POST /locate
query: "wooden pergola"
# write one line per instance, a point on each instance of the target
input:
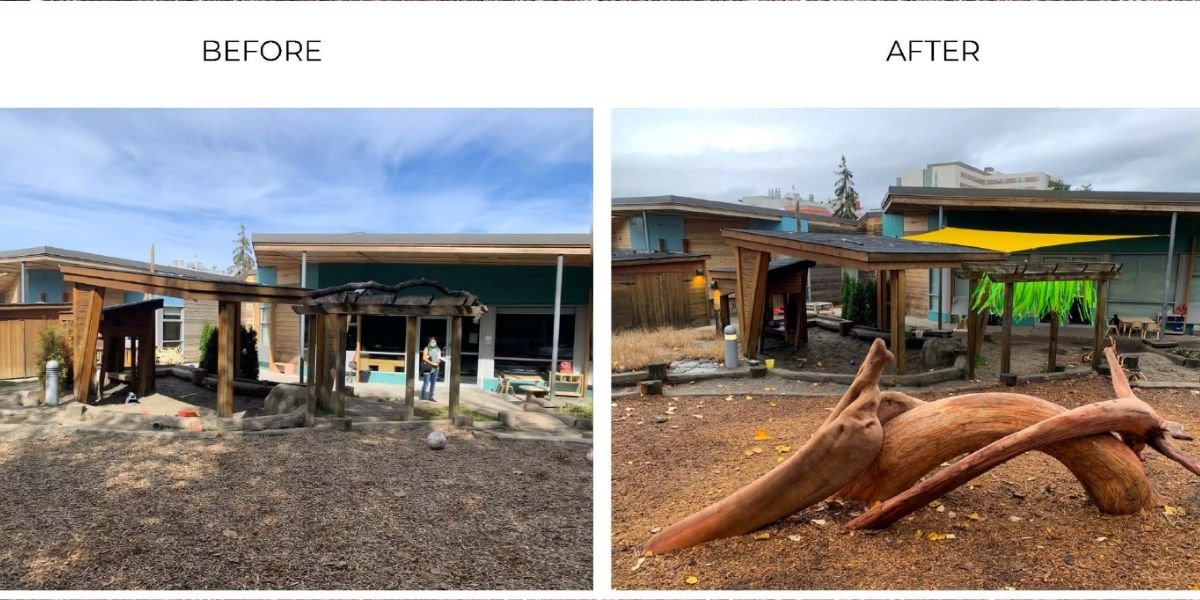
(327, 312)
(90, 285)
(133, 322)
(1010, 274)
(888, 257)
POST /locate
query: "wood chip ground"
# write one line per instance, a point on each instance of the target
(1024, 525)
(313, 510)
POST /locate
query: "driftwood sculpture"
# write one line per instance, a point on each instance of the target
(875, 446)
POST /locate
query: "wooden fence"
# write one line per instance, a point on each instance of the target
(20, 328)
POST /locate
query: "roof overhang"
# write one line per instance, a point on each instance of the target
(175, 286)
(900, 199)
(359, 249)
(684, 209)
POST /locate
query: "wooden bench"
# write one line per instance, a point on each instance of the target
(531, 391)
(819, 307)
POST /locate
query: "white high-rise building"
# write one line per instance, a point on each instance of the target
(962, 175)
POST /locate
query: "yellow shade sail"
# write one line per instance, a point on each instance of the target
(1010, 241)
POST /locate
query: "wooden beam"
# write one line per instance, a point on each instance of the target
(752, 269)
(145, 365)
(881, 282)
(357, 347)
(227, 356)
(88, 302)
(899, 343)
(456, 365)
(802, 315)
(1052, 358)
(587, 346)
(725, 317)
(1100, 324)
(412, 356)
(1006, 331)
(972, 326)
(339, 384)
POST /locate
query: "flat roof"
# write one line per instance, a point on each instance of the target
(858, 250)
(10, 261)
(775, 265)
(433, 248)
(181, 286)
(900, 197)
(697, 205)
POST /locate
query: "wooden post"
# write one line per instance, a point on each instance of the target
(1100, 326)
(358, 348)
(227, 355)
(752, 272)
(412, 356)
(88, 304)
(802, 314)
(898, 315)
(1006, 332)
(587, 347)
(145, 363)
(1052, 359)
(724, 319)
(972, 326)
(312, 328)
(339, 384)
(456, 367)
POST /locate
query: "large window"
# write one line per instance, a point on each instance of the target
(524, 342)
(383, 335)
(171, 335)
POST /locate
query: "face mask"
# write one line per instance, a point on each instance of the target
(433, 344)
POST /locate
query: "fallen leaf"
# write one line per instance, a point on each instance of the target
(974, 516)
(698, 416)
(941, 508)
(934, 504)
(692, 580)
(934, 536)
(819, 522)
(773, 404)
(795, 538)
(761, 435)
(229, 533)
(762, 536)
(638, 564)
(1101, 539)
(655, 529)
(781, 448)
(1014, 519)
(749, 397)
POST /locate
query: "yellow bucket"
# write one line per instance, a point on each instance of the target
(770, 363)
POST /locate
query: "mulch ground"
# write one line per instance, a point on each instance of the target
(312, 510)
(1035, 528)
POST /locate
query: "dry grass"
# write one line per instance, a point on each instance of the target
(632, 350)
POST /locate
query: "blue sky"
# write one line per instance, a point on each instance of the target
(115, 181)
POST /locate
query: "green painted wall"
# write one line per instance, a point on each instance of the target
(493, 284)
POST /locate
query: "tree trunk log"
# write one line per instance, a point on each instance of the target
(841, 448)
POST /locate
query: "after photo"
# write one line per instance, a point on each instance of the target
(905, 349)
(296, 349)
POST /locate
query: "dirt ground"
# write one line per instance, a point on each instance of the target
(1035, 527)
(311, 510)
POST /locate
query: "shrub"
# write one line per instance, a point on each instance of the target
(247, 367)
(858, 300)
(54, 343)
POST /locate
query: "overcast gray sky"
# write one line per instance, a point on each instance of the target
(727, 154)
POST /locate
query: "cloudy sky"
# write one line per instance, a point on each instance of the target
(113, 182)
(724, 155)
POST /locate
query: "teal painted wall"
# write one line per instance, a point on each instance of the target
(662, 227)
(493, 284)
(893, 225)
(267, 275)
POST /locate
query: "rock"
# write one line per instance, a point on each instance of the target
(891, 543)
(1069, 559)
(285, 398)
(661, 419)
(342, 424)
(436, 440)
(76, 411)
(941, 352)
(966, 566)
(30, 398)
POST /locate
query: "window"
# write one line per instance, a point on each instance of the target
(384, 335)
(171, 334)
(524, 341)
(264, 330)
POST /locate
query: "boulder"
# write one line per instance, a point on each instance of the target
(940, 352)
(29, 398)
(285, 398)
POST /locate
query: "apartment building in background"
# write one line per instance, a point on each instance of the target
(961, 175)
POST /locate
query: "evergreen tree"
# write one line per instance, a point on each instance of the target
(846, 201)
(243, 253)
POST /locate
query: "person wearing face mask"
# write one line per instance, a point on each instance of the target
(431, 360)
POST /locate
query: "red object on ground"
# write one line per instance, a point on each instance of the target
(187, 412)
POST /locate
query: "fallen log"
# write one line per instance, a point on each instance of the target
(841, 448)
(1127, 414)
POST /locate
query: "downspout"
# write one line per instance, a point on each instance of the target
(303, 340)
(23, 297)
(645, 232)
(1162, 324)
(557, 310)
(941, 272)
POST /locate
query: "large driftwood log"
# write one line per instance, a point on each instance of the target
(841, 448)
(918, 440)
(1127, 414)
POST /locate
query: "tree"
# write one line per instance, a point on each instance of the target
(243, 253)
(847, 199)
(1059, 185)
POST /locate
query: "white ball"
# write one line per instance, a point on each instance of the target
(436, 440)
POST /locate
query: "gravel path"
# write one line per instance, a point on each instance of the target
(311, 510)
(663, 472)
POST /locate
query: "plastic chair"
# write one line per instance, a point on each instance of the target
(1151, 327)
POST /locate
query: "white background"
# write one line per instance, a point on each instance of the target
(601, 56)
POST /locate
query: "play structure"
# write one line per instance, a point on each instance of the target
(875, 446)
